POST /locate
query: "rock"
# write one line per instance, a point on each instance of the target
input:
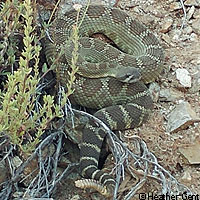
(196, 14)
(196, 81)
(181, 117)
(169, 94)
(196, 26)
(190, 13)
(186, 177)
(176, 35)
(184, 37)
(193, 37)
(191, 151)
(184, 78)
(175, 6)
(154, 90)
(188, 30)
(167, 39)
(165, 27)
(66, 5)
(192, 3)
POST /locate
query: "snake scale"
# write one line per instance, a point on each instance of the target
(111, 78)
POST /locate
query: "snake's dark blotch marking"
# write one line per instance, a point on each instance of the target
(105, 80)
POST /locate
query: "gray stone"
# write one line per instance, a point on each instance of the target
(196, 26)
(196, 81)
(184, 77)
(188, 29)
(166, 25)
(167, 39)
(191, 152)
(176, 35)
(154, 90)
(169, 94)
(193, 37)
(196, 14)
(175, 6)
(181, 117)
(192, 3)
(190, 13)
(186, 176)
(66, 5)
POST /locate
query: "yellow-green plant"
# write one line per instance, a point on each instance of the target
(17, 114)
(75, 38)
(10, 12)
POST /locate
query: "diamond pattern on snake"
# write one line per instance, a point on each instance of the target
(110, 78)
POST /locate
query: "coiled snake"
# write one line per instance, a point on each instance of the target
(110, 79)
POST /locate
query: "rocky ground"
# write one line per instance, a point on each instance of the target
(173, 131)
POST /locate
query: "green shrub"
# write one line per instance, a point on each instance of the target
(18, 118)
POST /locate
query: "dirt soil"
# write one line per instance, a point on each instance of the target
(182, 48)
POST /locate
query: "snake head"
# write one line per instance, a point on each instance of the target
(128, 75)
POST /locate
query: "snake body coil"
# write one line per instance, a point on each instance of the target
(108, 77)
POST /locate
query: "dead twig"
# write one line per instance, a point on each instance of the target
(185, 14)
